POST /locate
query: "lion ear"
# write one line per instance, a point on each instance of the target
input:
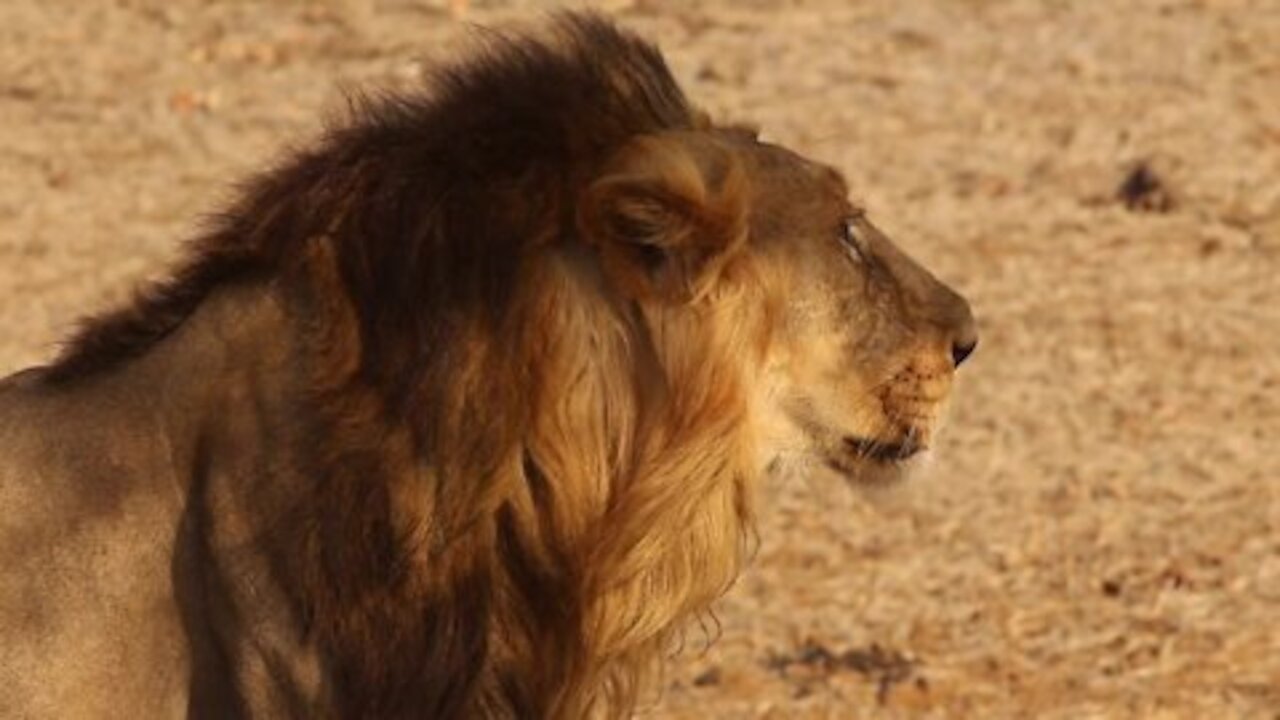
(665, 216)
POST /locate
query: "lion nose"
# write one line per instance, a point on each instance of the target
(964, 332)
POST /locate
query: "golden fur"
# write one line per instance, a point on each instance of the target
(540, 333)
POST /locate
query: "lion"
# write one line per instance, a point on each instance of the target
(459, 412)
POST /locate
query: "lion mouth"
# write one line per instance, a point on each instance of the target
(855, 455)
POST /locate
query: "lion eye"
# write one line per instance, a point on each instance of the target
(851, 237)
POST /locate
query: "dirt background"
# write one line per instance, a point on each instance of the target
(1099, 534)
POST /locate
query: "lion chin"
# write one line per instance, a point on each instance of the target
(861, 465)
(878, 472)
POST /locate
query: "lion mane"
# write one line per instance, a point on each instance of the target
(517, 492)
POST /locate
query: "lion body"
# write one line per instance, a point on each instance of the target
(105, 611)
(458, 414)
(86, 578)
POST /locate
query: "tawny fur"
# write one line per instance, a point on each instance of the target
(519, 350)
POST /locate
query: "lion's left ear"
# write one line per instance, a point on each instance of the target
(666, 215)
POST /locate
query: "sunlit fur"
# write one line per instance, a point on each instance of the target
(543, 323)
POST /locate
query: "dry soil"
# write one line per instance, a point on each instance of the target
(1099, 532)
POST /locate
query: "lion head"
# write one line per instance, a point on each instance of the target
(847, 346)
(549, 325)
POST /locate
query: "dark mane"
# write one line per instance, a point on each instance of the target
(406, 191)
(410, 247)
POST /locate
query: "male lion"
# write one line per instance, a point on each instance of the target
(458, 413)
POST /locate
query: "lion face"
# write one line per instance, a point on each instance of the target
(858, 342)
(863, 355)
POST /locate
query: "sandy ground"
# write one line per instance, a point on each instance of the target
(1099, 534)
